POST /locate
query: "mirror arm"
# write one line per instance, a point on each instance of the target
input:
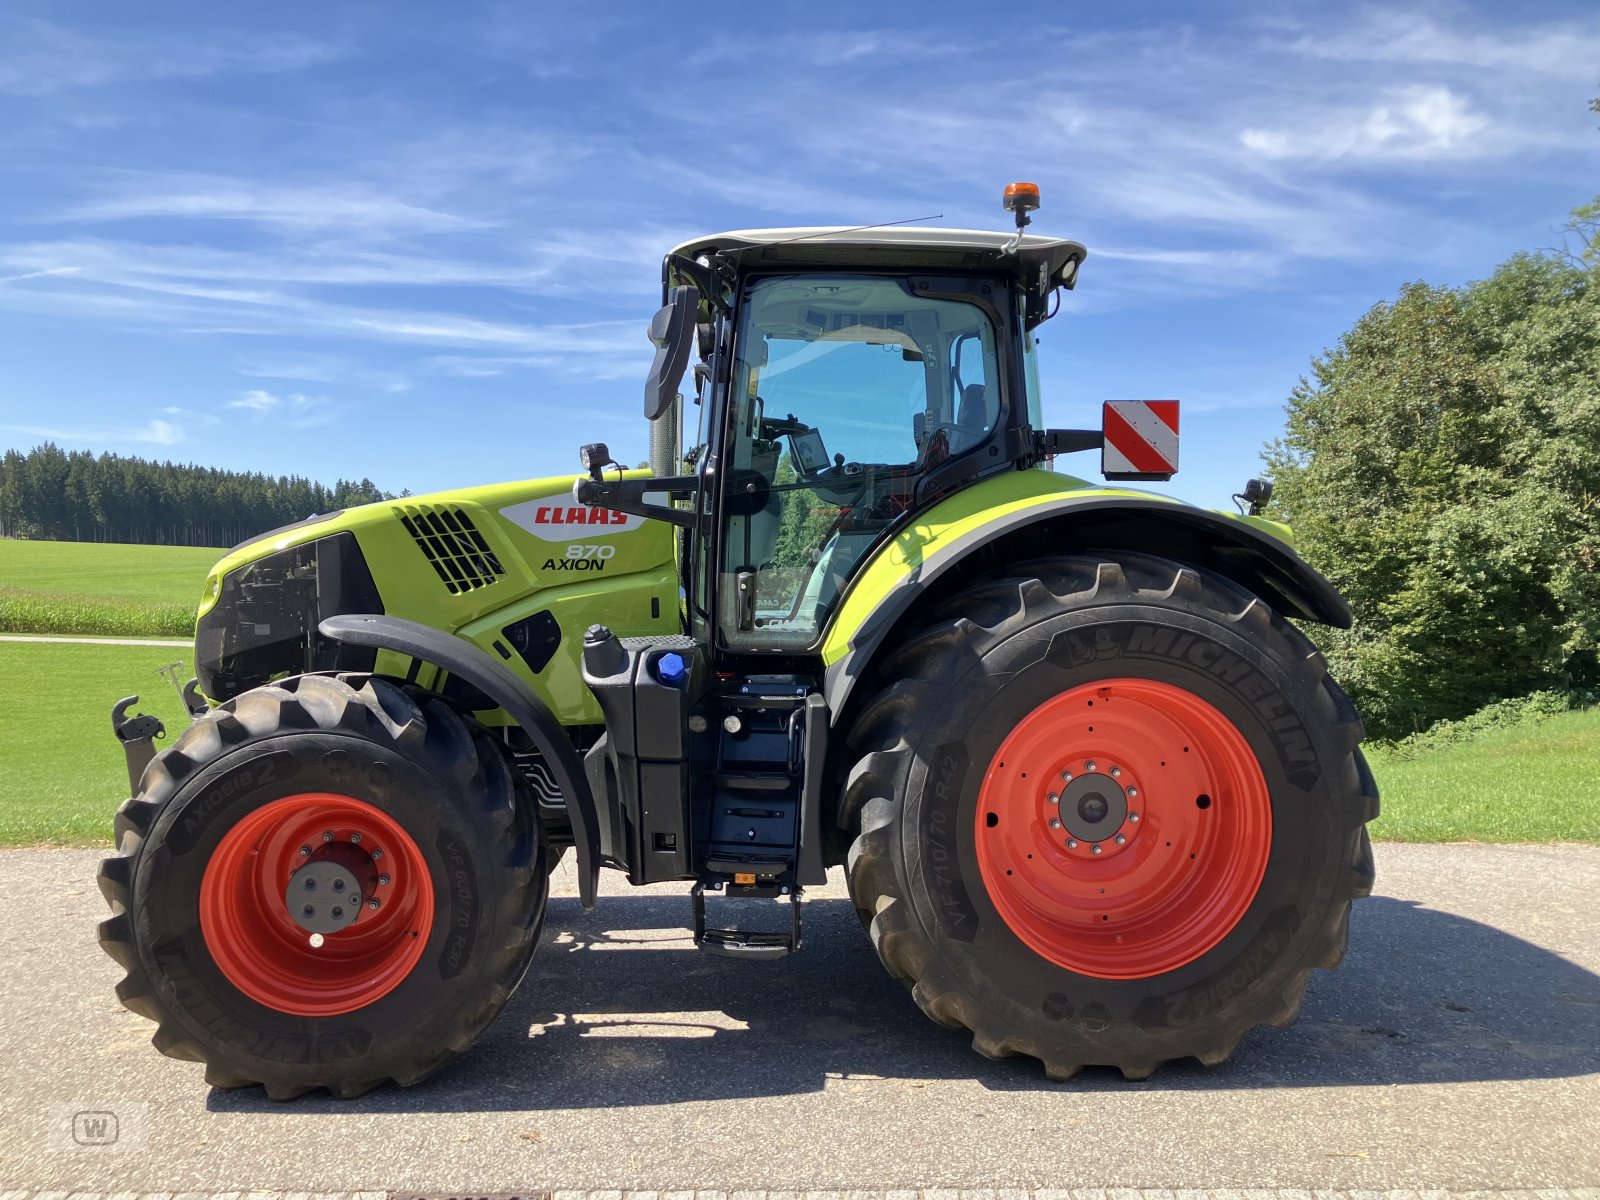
(1065, 441)
(642, 497)
(702, 278)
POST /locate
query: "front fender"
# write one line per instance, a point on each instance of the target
(472, 665)
(1032, 517)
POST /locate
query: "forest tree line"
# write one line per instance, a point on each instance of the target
(75, 496)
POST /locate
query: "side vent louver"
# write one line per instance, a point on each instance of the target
(453, 545)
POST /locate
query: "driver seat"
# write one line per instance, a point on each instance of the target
(972, 419)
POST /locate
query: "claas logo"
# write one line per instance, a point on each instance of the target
(559, 519)
(577, 514)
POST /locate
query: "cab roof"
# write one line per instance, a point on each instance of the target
(910, 247)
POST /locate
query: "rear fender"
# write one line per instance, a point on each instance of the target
(932, 559)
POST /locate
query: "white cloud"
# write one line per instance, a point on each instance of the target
(257, 401)
(42, 58)
(327, 369)
(1547, 50)
(310, 207)
(156, 432)
(1416, 124)
(44, 273)
(294, 409)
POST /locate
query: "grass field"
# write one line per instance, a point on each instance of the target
(100, 588)
(62, 774)
(1532, 782)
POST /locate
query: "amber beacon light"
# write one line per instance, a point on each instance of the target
(1021, 199)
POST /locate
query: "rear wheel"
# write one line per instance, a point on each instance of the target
(1133, 838)
(322, 884)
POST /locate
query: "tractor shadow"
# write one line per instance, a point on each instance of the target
(620, 1011)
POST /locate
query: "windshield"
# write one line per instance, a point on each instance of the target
(848, 389)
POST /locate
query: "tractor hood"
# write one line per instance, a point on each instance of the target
(453, 560)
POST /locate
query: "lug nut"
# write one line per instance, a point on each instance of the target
(1116, 772)
(373, 903)
(356, 837)
(1054, 824)
(1133, 791)
(1133, 818)
(327, 835)
(1089, 766)
(1055, 798)
(1121, 841)
(1066, 777)
(1072, 843)
(305, 851)
(1095, 849)
(376, 854)
(382, 879)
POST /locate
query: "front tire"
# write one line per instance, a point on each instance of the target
(411, 810)
(1110, 811)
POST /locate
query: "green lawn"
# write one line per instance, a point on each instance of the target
(104, 588)
(1532, 782)
(61, 772)
(107, 570)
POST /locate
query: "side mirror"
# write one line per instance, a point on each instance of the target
(672, 330)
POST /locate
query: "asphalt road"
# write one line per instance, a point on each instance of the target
(1457, 1048)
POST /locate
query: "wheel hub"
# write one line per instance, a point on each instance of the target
(329, 892)
(1094, 808)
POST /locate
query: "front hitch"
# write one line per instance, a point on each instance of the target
(138, 735)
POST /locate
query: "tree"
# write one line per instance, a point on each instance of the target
(1442, 466)
(48, 493)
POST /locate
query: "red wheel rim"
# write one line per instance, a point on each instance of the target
(245, 918)
(1178, 822)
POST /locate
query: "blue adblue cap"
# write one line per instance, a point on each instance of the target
(670, 668)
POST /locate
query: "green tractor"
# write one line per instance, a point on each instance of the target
(1096, 798)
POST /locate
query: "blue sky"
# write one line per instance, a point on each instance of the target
(421, 243)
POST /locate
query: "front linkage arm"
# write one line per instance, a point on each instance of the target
(138, 735)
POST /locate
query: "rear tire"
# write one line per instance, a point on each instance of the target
(200, 924)
(984, 890)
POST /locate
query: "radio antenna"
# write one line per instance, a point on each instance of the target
(805, 237)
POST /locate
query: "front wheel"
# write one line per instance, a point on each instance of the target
(324, 885)
(1111, 811)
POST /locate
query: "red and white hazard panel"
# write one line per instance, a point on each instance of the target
(1141, 439)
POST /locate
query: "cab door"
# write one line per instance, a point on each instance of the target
(845, 392)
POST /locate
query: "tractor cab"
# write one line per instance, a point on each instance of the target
(844, 379)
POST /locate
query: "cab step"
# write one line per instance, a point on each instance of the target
(745, 943)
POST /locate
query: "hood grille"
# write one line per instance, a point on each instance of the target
(453, 546)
